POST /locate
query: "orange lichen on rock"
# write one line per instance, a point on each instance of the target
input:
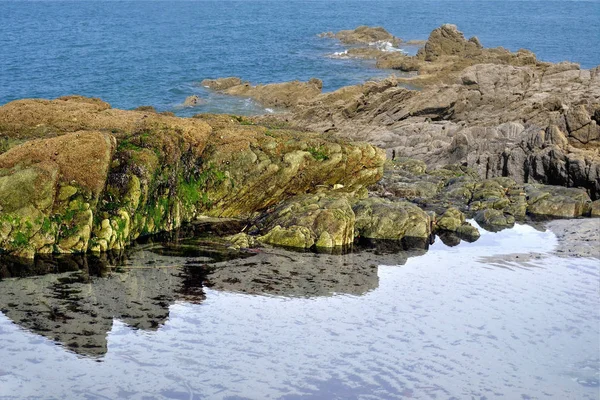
(81, 157)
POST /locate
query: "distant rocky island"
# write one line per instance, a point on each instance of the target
(465, 132)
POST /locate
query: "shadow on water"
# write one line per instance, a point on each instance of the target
(73, 299)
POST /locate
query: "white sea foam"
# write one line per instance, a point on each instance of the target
(269, 110)
(339, 54)
(380, 45)
(385, 46)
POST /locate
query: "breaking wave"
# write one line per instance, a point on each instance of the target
(385, 46)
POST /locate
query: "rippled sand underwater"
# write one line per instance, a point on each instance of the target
(499, 318)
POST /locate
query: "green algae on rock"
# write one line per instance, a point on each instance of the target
(322, 220)
(48, 189)
(557, 202)
(378, 218)
(454, 221)
(495, 203)
(105, 177)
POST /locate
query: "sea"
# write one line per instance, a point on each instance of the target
(504, 317)
(134, 53)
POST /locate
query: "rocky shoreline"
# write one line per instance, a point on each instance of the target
(491, 135)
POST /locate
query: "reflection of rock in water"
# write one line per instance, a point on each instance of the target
(77, 311)
(74, 299)
(285, 273)
(277, 272)
(15, 267)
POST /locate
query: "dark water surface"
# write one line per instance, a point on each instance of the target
(133, 53)
(499, 318)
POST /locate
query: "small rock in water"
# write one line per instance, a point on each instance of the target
(192, 101)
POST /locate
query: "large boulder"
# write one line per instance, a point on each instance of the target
(494, 220)
(378, 218)
(324, 220)
(453, 220)
(555, 201)
(447, 40)
(328, 220)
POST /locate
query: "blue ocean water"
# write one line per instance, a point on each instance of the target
(133, 53)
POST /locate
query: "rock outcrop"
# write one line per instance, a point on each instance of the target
(442, 56)
(447, 40)
(364, 35)
(222, 83)
(452, 193)
(104, 177)
(283, 95)
(49, 190)
(536, 123)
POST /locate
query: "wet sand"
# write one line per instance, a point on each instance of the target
(577, 237)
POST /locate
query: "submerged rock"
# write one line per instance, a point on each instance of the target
(192, 101)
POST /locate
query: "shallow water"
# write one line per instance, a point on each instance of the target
(499, 318)
(133, 53)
